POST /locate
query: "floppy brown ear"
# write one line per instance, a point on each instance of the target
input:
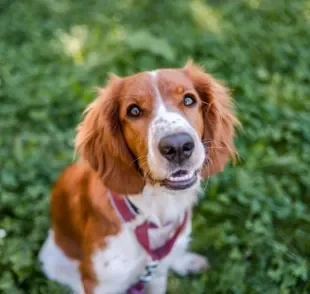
(100, 141)
(219, 119)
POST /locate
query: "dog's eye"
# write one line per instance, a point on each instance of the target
(189, 100)
(134, 110)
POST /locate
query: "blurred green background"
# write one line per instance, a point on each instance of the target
(254, 221)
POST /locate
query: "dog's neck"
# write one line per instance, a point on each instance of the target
(161, 205)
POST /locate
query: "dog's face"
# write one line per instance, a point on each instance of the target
(162, 122)
(162, 127)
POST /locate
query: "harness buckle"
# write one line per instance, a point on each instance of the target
(149, 271)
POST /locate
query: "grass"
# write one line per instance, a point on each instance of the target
(253, 222)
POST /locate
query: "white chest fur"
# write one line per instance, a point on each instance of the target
(124, 259)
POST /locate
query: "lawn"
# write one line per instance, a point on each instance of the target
(254, 220)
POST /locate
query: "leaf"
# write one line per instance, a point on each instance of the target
(145, 41)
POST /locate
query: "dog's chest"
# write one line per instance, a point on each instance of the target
(123, 259)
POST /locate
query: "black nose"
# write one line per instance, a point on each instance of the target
(176, 148)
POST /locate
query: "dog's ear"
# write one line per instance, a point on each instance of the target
(219, 119)
(100, 141)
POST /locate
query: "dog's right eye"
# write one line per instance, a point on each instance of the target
(134, 110)
(189, 100)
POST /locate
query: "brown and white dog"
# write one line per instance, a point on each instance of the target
(148, 138)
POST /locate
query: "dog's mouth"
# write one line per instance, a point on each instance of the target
(180, 180)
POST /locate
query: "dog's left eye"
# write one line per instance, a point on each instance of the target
(189, 100)
(134, 111)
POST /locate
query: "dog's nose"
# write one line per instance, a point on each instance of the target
(176, 148)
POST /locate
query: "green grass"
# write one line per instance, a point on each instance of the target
(254, 221)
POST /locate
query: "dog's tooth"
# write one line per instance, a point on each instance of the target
(187, 176)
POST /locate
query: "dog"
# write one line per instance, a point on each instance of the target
(121, 216)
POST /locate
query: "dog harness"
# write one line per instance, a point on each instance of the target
(127, 212)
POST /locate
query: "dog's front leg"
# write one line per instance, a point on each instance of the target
(185, 262)
(189, 263)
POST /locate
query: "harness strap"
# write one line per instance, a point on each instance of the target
(161, 252)
(127, 212)
(123, 207)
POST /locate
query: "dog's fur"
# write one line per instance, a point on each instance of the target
(89, 248)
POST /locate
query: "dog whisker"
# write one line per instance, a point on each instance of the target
(137, 159)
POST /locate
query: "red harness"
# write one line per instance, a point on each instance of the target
(127, 212)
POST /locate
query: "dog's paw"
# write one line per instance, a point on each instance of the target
(190, 263)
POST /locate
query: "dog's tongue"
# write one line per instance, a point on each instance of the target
(179, 173)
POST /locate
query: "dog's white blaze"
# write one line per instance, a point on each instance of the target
(160, 105)
(164, 123)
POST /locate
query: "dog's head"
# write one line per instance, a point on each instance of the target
(164, 127)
